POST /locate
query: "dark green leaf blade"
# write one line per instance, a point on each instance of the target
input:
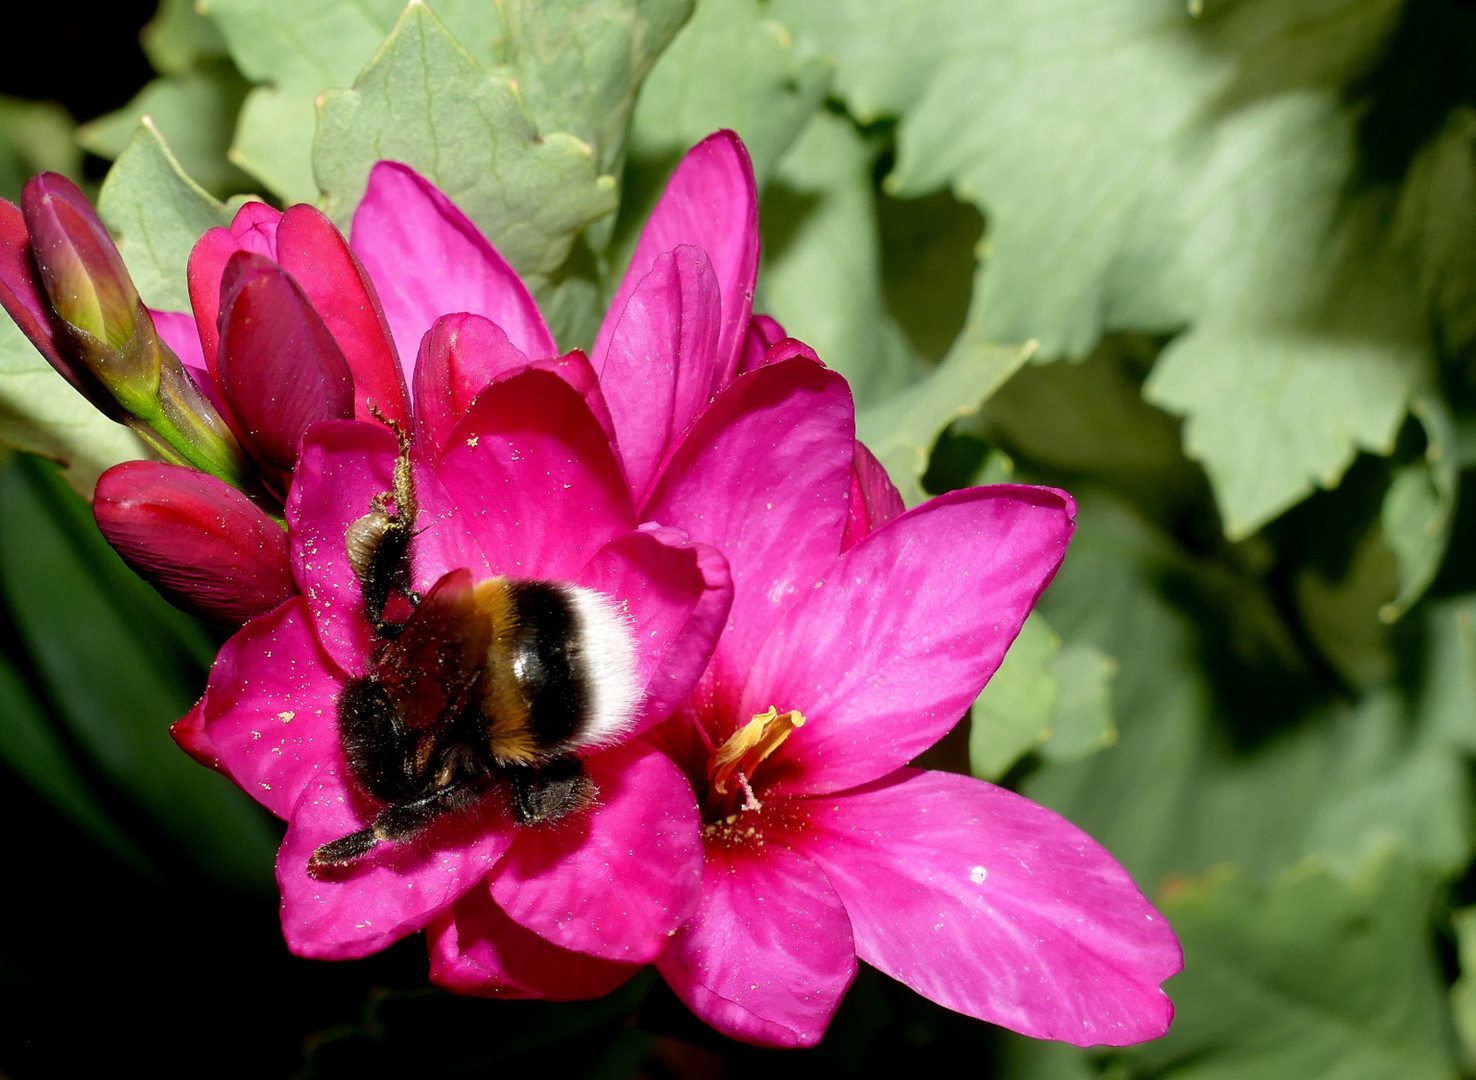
(121, 665)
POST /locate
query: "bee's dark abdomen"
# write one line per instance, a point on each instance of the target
(374, 741)
(553, 680)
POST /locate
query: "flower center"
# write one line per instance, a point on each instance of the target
(730, 771)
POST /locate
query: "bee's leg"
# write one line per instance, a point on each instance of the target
(552, 791)
(396, 823)
(342, 851)
(379, 542)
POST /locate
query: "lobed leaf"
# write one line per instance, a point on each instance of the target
(178, 35)
(35, 136)
(579, 65)
(1227, 752)
(156, 213)
(195, 111)
(821, 275)
(425, 101)
(1149, 167)
(297, 51)
(902, 430)
(1315, 977)
(731, 66)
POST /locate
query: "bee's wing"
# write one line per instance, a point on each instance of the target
(433, 667)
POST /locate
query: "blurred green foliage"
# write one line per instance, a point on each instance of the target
(1211, 266)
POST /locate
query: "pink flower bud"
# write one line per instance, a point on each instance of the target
(198, 540)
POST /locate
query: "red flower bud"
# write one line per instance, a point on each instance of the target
(203, 544)
(280, 369)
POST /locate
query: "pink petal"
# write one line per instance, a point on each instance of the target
(535, 478)
(476, 949)
(205, 545)
(660, 370)
(995, 907)
(574, 368)
(886, 655)
(388, 893)
(178, 331)
(768, 955)
(280, 369)
(22, 298)
(254, 229)
(429, 260)
(462, 355)
(316, 255)
(617, 881)
(710, 203)
(677, 595)
(875, 500)
(343, 467)
(269, 717)
(763, 478)
(762, 332)
(459, 357)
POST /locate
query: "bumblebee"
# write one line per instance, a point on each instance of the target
(483, 686)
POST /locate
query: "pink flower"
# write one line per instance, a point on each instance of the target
(839, 665)
(528, 486)
(874, 634)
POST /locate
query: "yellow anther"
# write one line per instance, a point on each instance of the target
(750, 745)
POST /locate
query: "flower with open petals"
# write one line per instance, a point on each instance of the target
(855, 642)
(857, 636)
(527, 485)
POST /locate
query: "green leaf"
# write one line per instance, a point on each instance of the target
(901, 431)
(35, 136)
(731, 66)
(1315, 977)
(32, 749)
(1226, 750)
(1147, 170)
(121, 666)
(300, 49)
(822, 249)
(157, 213)
(178, 35)
(425, 101)
(42, 414)
(1435, 220)
(1045, 696)
(1419, 509)
(1448, 698)
(1012, 716)
(1463, 993)
(1081, 721)
(1342, 617)
(195, 112)
(579, 64)
(1070, 420)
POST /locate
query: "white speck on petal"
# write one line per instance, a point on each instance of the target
(978, 874)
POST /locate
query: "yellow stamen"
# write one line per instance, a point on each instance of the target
(750, 745)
